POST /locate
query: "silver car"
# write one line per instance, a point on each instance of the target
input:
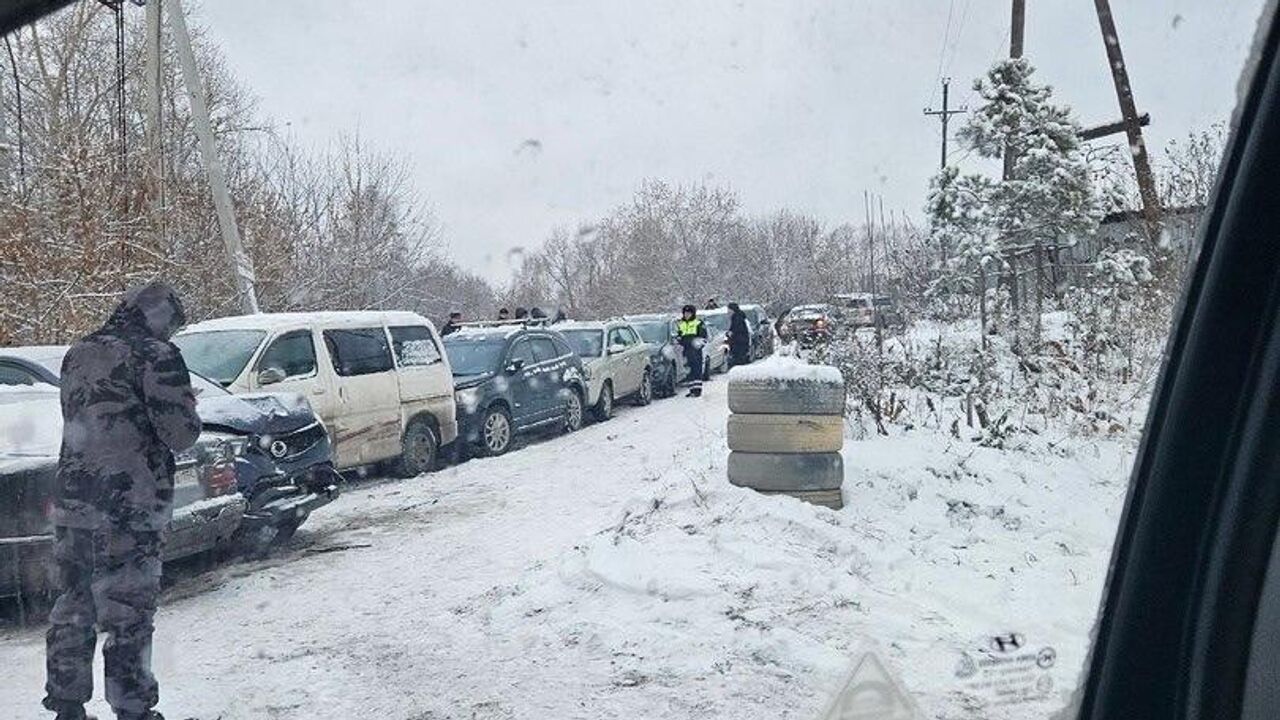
(616, 362)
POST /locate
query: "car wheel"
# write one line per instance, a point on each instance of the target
(644, 395)
(573, 411)
(495, 431)
(418, 450)
(673, 376)
(604, 406)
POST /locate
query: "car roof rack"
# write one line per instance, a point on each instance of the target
(521, 322)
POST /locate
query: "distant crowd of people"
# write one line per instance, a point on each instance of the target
(690, 331)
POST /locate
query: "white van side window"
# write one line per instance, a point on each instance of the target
(294, 353)
(414, 346)
(361, 351)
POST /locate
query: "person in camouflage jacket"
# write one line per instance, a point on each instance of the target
(127, 406)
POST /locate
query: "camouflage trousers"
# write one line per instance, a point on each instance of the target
(109, 580)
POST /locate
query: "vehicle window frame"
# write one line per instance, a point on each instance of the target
(8, 365)
(435, 343)
(562, 345)
(266, 348)
(532, 359)
(533, 341)
(334, 358)
(616, 330)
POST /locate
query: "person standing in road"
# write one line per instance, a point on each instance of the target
(691, 333)
(739, 336)
(454, 324)
(522, 314)
(504, 314)
(127, 406)
(712, 303)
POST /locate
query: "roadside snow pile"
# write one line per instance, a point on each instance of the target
(789, 369)
(722, 602)
(747, 597)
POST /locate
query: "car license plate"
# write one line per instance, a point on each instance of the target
(186, 477)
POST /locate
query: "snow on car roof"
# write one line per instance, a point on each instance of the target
(333, 319)
(587, 324)
(781, 367)
(32, 427)
(483, 333)
(36, 353)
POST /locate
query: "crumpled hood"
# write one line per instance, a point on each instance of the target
(462, 382)
(256, 413)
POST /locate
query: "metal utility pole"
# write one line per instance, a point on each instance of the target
(945, 114)
(1017, 24)
(154, 163)
(1129, 113)
(241, 264)
(152, 110)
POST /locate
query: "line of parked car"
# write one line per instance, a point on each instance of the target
(813, 324)
(288, 401)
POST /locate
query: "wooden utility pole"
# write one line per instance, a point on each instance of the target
(871, 247)
(945, 115)
(1129, 113)
(241, 263)
(1017, 24)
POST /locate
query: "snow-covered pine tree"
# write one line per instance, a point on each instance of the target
(1047, 201)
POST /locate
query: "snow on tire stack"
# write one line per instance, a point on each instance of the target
(786, 429)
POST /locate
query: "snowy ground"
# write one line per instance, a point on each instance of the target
(614, 573)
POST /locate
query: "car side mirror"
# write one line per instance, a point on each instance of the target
(271, 376)
(616, 348)
(515, 366)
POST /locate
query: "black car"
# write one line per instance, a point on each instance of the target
(666, 360)
(282, 457)
(510, 379)
(761, 331)
(207, 510)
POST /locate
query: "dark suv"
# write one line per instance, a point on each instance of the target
(510, 379)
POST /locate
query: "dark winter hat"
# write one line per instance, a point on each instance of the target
(689, 309)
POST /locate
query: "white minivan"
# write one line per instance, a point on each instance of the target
(378, 380)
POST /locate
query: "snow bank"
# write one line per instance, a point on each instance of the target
(784, 368)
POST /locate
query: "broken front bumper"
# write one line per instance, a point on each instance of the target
(291, 501)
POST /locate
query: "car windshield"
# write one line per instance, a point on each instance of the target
(656, 332)
(473, 356)
(961, 232)
(219, 355)
(204, 387)
(586, 343)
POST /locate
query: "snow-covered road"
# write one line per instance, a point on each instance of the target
(613, 573)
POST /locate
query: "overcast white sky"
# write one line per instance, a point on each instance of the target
(799, 104)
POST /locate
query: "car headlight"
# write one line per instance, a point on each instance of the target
(468, 399)
(221, 446)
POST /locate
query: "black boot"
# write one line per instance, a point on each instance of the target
(73, 712)
(148, 715)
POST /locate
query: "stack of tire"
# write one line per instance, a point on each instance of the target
(785, 435)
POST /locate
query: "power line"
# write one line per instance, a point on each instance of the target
(955, 42)
(942, 49)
